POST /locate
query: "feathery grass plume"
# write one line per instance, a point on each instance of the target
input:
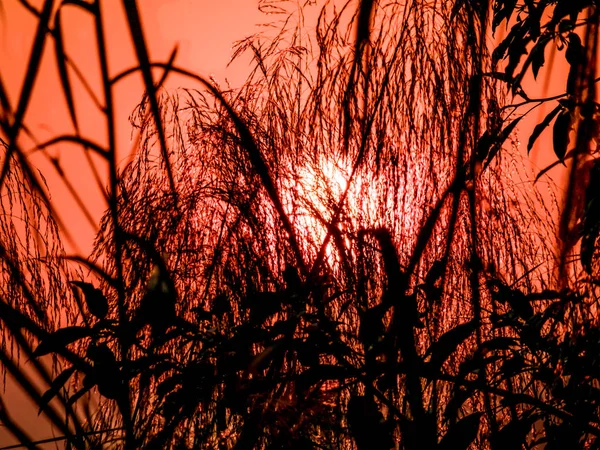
(332, 248)
(405, 168)
(35, 296)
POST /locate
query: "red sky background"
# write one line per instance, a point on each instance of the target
(204, 31)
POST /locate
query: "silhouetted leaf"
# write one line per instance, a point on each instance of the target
(459, 397)
(141, 50)
(516, 34)
(548, 168)
(371, 328)
(560, 136)
(498, 343)
(292, 278)
(441, 349)
(320, 373)
(367, 424)
(502, 12)
(512, 366)
(391, 262)
(221, 305)
(575, 53)
(539, 128)
(106, 373)
(538, 57)
(499, 140)
(513, 435)
(484, 144)
(157, 307)
(264, 358)
(80, 393)
(591, 217)
(436, 272)
(56, 386)
(521, 306)
(263, 305)
(95, 300)
(514, 46)
(514, 297)
(562, 9)
(461, 434)
(60, 339)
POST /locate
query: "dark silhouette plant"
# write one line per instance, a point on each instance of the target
(237, 299)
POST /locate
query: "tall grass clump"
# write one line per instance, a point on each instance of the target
(345, 252)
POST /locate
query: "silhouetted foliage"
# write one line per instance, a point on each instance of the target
(240, 295)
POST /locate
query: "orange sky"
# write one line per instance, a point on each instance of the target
(204, 31)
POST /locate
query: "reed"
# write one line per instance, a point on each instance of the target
(346, 252)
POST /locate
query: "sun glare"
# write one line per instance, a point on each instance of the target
(315, 192)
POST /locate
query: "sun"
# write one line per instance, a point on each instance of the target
(315, 192)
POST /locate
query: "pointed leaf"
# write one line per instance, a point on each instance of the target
(575, 53)
(459, 397)
(437, 271)
(158, 306)
(502, 12)
(461, 434)
(512, 366)
(95, 300)
(263, 359)
(448, 343)
(521, 306)
(513, 435)
(560, 136)
(502, 136)
(538, 57)
(263, 305)
(517, 48)
(80, 393)
(547, 169)
(367, 424)
(292, 278)
(484, 144)
(60, 339)
(102, 356)
(391, 263)
(221, 305)
(56, 386)
(540, 127)
(320, 373)
(591, 217)
(499, 343)
(371, 329)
